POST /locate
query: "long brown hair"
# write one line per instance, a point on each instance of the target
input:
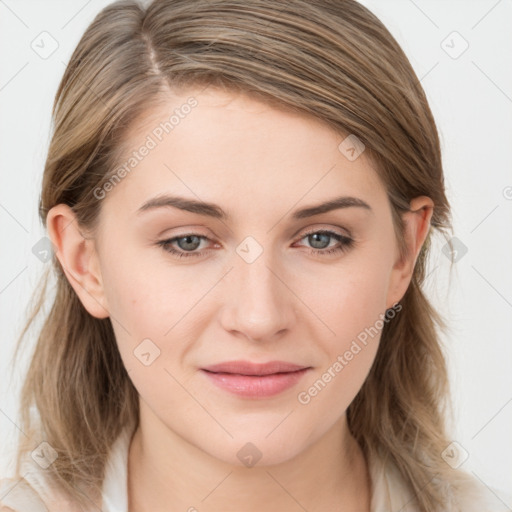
(332, 59)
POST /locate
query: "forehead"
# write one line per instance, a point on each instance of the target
(212, 143)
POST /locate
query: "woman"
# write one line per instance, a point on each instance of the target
(241, 197)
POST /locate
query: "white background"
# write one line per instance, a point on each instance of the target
(471, 98)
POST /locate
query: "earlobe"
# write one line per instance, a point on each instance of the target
(416, 229)
(78, 258)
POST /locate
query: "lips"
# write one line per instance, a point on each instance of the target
(247, 368)
(253, 380)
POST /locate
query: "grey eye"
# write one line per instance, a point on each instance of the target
(191, 242)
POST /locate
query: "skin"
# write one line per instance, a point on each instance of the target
(260, 164)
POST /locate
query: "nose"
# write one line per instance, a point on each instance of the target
(259, 303)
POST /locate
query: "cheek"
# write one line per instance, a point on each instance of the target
(156, 309)
(354, 313)
(147, 294)
(348, 297)
(352, 305)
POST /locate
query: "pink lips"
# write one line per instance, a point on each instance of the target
(253, 380)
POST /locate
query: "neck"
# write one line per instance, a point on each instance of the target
(165, 472)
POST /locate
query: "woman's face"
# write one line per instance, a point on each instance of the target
(249, 280)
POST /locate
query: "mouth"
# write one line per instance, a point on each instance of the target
(253, 380)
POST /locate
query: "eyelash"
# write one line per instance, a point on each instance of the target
(346, 244)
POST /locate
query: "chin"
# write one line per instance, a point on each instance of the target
(255, 449)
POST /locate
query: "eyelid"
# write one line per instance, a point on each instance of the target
(184, 231)
(330, 229)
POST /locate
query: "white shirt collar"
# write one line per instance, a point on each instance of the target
(115, 483)
(389, 491)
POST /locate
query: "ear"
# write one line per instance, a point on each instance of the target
(78, 258)
(416, 228)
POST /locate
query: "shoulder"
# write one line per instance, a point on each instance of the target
(17, 495)
(465, 493)
(35, 491)
(471, 495)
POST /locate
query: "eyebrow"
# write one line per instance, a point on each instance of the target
(215, 211)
